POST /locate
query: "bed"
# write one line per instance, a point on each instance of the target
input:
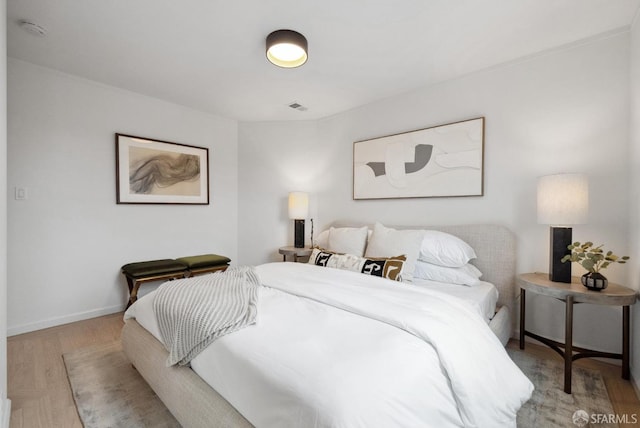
(250, 362)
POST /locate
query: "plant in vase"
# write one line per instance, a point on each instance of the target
(593, 259)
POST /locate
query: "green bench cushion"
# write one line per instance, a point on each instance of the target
(204, 261)
(153, 267)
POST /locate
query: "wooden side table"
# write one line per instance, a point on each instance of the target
(575, 292)
(295, 252)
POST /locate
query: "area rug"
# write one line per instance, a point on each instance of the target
(550, 406)
(109, 392)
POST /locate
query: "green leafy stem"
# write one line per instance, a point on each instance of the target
(592, 258)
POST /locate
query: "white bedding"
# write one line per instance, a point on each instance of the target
(335, 348)
(483, 296)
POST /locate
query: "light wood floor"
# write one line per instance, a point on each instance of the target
(41, 397)
(37, 379)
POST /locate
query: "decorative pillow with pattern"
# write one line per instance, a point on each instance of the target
(386, 267)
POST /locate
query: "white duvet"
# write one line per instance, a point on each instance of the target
(334, 348)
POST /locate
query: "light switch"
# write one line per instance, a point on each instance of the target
(21, 193)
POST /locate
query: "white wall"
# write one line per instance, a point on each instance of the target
(274, 159)
(68, 240)
(4, 402)
(634, 195)
(562, 111)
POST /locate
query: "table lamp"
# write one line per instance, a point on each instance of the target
(563, 200)
(298, 212)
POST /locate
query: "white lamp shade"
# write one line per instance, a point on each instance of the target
(298, 205)
(563, 199)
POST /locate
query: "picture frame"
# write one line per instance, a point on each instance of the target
(439, 161)
(150, 171)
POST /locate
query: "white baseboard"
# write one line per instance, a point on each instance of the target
(5, 413)
(53, 322)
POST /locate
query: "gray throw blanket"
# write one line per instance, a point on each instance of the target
(193, 312)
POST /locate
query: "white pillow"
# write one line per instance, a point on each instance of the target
(322, 240)
(443, 249)
(465, 275)
(388, 242)
(348, 240)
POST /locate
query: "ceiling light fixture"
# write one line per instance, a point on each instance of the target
(287, 48)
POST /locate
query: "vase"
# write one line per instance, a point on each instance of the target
(595, 281)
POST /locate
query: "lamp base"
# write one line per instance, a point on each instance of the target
(560, 239)
(298, 234)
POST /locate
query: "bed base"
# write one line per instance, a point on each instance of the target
(190, 399)
(500, 324)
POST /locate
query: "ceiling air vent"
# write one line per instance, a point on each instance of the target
(297, 106)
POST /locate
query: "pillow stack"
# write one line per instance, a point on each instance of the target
(425, 254)
(445, 258)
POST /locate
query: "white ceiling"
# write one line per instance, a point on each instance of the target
(209, 54)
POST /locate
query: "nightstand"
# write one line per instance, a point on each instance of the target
(295, 252)
(575, 292)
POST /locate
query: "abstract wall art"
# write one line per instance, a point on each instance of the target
(159, 172)
(441, 161)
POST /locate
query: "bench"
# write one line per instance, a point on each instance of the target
(168, 269)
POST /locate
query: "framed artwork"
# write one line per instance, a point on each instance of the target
(159, 172)
(441, 161)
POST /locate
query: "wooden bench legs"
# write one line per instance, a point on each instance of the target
(134, 283)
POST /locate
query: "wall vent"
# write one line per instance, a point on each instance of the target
(297, 106)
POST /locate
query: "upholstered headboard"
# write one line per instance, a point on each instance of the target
(495, 247)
